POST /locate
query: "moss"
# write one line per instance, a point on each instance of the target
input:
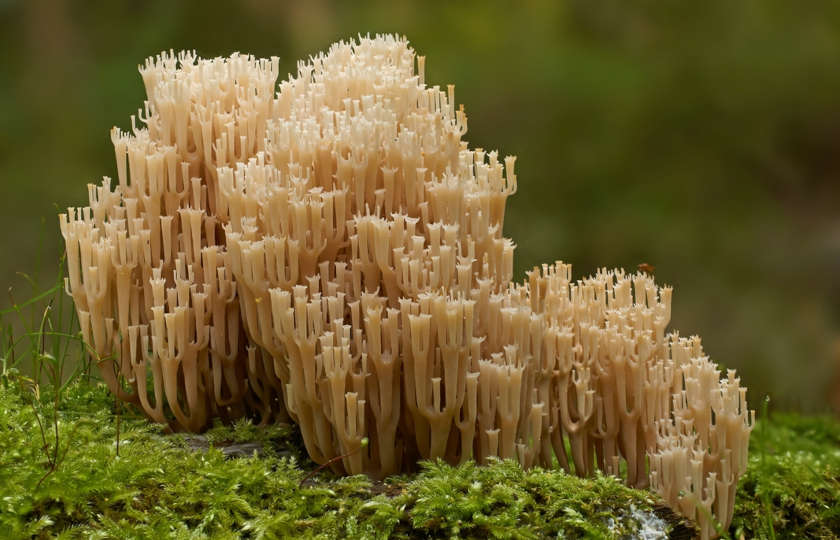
(159, 488)
(793, 482)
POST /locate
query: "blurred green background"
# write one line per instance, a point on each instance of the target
(701, 137)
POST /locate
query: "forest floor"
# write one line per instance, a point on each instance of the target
(73, 468)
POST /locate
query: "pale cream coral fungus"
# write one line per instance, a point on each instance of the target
(332, 253)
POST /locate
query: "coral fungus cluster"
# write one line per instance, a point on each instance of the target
(331, 251)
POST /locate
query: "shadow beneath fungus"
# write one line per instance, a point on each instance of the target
(391, 491)
(229, 448)
(682, 527)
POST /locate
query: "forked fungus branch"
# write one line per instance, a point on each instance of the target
(330, 251)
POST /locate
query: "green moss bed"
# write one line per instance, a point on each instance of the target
(81, 484)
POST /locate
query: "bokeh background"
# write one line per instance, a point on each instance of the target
(701, 137)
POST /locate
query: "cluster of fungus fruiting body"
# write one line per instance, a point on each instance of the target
(331, 252)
